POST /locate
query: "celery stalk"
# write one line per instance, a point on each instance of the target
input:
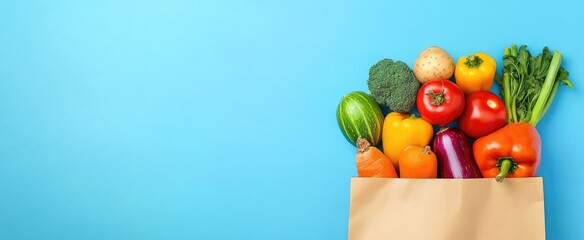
(507, 96)
(548, 85)
(548, 103)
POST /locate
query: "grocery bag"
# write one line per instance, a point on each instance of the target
(449, 209)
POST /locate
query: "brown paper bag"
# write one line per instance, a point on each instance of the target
(449, 209)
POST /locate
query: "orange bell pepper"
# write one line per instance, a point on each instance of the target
(512, 151)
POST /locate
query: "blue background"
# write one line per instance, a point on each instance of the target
(205, 119)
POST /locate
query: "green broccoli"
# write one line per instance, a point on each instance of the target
(393, 84)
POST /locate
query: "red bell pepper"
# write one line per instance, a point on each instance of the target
(512, 151)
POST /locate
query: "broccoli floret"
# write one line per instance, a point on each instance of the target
(393, 84)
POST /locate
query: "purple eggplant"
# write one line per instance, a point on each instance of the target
(454, 153)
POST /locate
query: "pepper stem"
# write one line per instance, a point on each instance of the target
(473, 61)
(426, 150)
(506, 165)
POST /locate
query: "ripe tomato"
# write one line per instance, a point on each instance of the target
(484, 113)
(440, 102)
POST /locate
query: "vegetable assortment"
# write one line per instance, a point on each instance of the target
(481, 134)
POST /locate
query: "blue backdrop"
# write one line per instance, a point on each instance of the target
(125, 119)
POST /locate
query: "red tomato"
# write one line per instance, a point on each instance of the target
(440, 102)
(484, 113)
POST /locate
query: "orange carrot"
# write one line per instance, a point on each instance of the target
(371, 162)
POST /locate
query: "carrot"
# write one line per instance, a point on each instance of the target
(371, 162)
(418, 162)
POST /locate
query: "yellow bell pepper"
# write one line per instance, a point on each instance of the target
(401, 130)
(475, 72)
